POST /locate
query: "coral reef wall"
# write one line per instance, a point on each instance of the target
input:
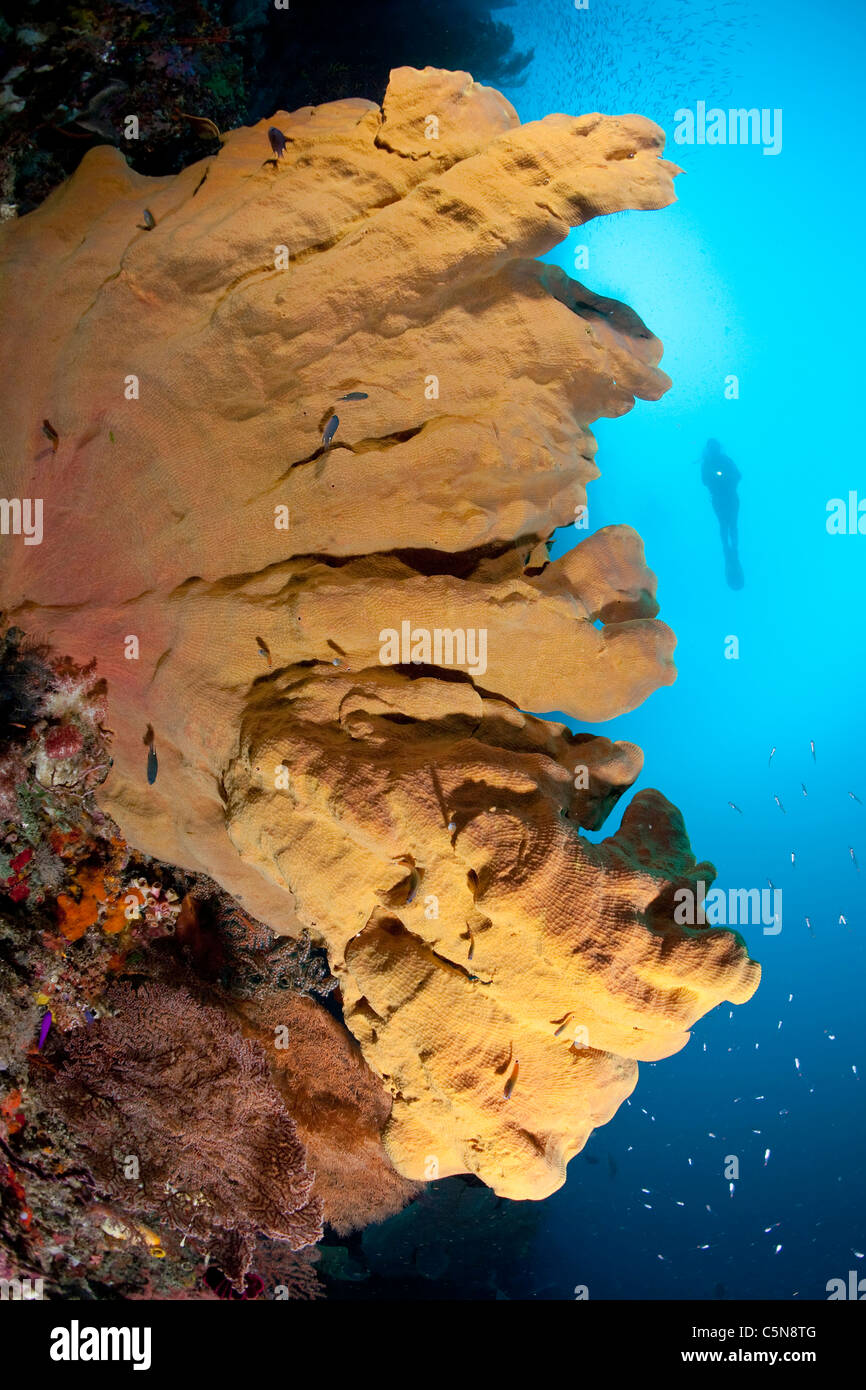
(293, 419)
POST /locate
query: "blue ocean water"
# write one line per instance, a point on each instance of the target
(755, 272)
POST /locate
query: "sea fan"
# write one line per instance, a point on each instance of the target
(169, 1083)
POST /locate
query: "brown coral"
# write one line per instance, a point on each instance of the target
(176, 1113)
(338, 1106)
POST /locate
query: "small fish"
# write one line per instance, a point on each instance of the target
(264, 649)
(853, 858)
(855, 798)
(152, 766)
(843, 920)
(803, 788)
(149, 221)
(151, 1240)
(812, 746)
(734, 808)
(793, 860)
(50, 433)
(797, 1063)
(770, 759)
(778, 1249)
(809, 925)
(330, 430)
(45, 1029)
(512, 1081)
(278, 141)
(771, 884)
(780, 806)
(355, 396)
(766, 1157)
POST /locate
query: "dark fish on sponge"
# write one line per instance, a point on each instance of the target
(149, 221)
(355, 396)
(152, 766)
(50, 433)
(512, 1081)
(278, 141)
(330, 430)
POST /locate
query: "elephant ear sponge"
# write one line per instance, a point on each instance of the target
(501, 972)
(314, 421)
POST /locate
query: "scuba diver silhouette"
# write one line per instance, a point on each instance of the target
(721, 476)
